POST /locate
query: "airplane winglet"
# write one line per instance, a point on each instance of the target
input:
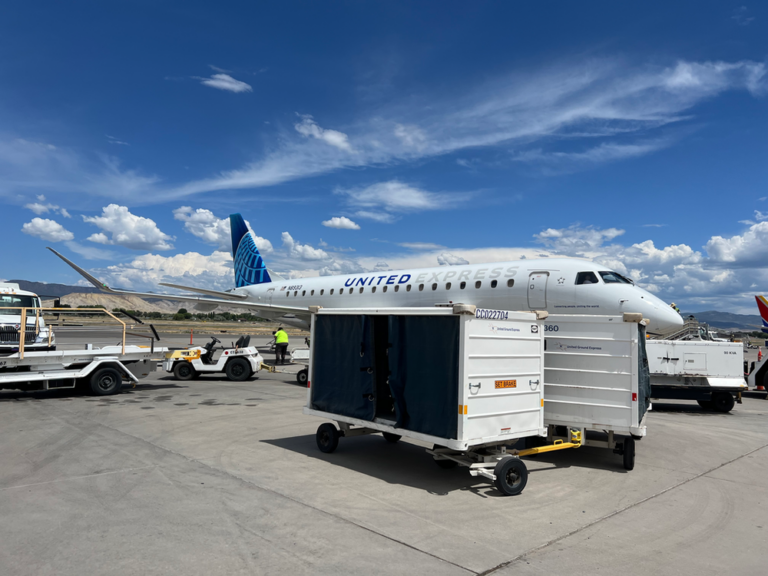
(92, 279)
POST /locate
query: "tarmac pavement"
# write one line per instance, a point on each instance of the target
(215, 477)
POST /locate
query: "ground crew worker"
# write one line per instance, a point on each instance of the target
(281, 345)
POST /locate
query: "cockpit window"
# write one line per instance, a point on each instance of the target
(586, 278)
(615, 278)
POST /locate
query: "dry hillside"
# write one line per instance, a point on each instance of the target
(110, 302)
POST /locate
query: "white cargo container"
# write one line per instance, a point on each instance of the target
(712, 373)
(460, 378)
(596, 378)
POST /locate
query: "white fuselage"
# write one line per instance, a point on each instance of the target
(544, 284)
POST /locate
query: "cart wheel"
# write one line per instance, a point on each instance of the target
(302, 376)
(706, 404)
(511, 476)
(722, 401)
(628, 450)
(184, 370)
(391, 438)
(327, 438)
(238, 369)
(106, 381)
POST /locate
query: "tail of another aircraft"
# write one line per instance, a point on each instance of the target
(249, 265)
(762, 305)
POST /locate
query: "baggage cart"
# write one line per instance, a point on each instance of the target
(596, 378)
(466, 380)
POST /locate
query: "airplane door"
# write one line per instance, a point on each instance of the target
(270, 293)
(537, 290)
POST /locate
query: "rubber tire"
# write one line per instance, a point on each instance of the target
(391, 438)
(628, 453)
(302, 376)
(106, 381)
(723, 402)
(327, 438)
(706, 404)
(183, 370)
(238, 369)
(512, 469)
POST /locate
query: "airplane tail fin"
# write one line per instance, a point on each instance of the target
(762, 305)
(249, 265)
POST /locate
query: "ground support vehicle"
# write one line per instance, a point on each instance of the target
(467, 380)
(596, 380)
(757, 375)
(239, 363)
(712, 373)
(101, 370)
(22, 322)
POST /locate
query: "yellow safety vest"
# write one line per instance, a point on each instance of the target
(281, 337)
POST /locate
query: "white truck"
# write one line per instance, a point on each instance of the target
(712, 373)
(37, 335)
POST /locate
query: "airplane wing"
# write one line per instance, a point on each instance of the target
(225, 295)
(227, 299)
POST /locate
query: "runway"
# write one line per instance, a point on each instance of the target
(215, 477)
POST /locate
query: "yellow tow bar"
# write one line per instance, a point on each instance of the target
(558, 445)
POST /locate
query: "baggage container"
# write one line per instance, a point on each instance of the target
(467, 380)
(596, 378)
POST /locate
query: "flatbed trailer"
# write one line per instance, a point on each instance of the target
(711, 373)
(102, 370)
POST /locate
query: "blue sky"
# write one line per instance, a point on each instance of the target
(356, 135)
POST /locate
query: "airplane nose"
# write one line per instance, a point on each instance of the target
(664, 318)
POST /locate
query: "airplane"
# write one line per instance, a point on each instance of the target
(558, 285)
(762, 306)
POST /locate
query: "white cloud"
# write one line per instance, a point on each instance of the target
(225, 82)
(396, 196)
(113, 140)
(39, 208)
(600, 154)
(90, 253)
(760, 215)
(411, 136)
(740, 16)
(308, 127)
(191, 269)
(376, 216)
(581, 103)
(212, 230)
(47, 230)
(749, 249)
(302, 251)
(128, 230)
(448, 259)
(421, 246)
(341, 222)
(576, 240)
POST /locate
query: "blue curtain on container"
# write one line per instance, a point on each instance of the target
(342, 381)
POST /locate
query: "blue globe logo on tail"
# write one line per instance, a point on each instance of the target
(249, 265)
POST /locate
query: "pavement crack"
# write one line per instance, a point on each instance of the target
(614, 513)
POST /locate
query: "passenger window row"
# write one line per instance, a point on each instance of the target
(434, 286)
